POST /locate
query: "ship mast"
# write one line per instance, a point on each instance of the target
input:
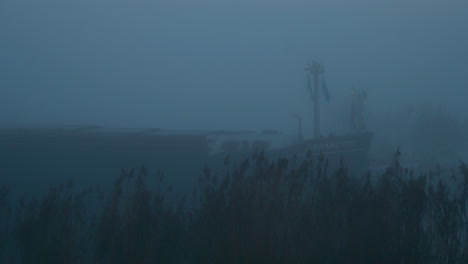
(357, 110)
(315, 69)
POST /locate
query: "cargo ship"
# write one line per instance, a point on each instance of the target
(92, 152)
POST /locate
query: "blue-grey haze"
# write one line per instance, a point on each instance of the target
(224, 64)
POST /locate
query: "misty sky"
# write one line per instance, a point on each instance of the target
(217, 64)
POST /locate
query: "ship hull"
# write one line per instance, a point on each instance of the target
(42, 157)
(351, 149)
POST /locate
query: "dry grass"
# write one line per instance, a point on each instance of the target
(260, 211)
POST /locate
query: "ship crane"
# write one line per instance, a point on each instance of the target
(316, 70)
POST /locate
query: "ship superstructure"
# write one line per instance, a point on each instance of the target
(352, 147)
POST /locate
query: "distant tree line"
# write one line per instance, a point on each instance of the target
(425, 132)
(259, 211)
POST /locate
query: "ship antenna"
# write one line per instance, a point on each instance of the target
(315, 69)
